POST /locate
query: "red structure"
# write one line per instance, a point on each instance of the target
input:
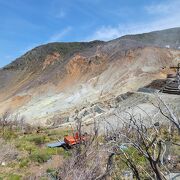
(73, 140)
(69, 141)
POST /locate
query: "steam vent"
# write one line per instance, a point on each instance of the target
(173, 82)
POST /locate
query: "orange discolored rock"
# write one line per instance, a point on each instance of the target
(50, 59)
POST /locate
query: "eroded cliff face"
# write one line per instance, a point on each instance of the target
(49, 81)
(51, 59)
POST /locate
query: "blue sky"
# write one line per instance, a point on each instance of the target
(25, 24)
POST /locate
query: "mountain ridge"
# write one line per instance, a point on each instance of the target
(136, 37)
(59, 77)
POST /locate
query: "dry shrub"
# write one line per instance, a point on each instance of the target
(89, 160)
(7, 152)
(90, 164)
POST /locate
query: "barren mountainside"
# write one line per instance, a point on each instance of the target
(57, 78)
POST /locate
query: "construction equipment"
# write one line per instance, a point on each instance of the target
(173, 82)
(69, 141)
(177, 68)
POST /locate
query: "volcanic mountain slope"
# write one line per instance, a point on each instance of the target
(58, 77)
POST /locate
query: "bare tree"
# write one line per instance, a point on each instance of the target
(89, 160)
(134, 133)
(5, 121)
(167, 112)
(10, 122)
(7, 152)
(145, 140)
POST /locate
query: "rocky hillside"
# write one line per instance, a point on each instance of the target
(57, 78)
(169, 38)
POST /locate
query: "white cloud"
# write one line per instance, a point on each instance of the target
(106, 33)
(167, 7)
(61, 14)
(58, 36)
(165, 15)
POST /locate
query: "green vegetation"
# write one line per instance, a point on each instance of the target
(10, 177)
(38, 140)
(31, 148)
(24, 162)
(28, 152)
(52, 172)
(9, 133)
(38, 54)
(14, 177)
(40, 157)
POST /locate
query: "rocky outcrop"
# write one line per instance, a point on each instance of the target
(57, 78)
